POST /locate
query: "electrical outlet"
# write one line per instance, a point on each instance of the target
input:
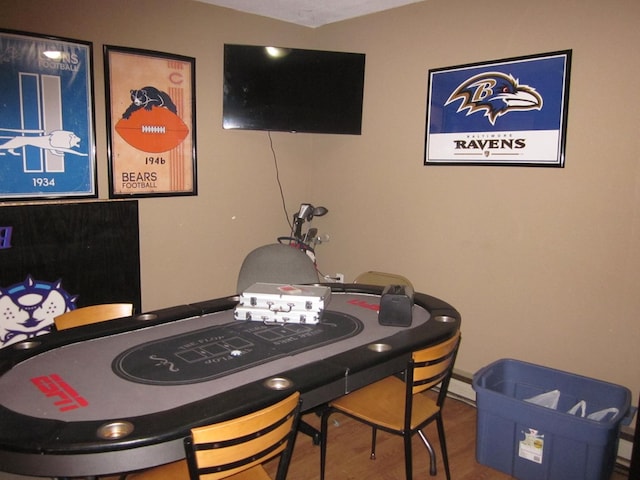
(335, 278)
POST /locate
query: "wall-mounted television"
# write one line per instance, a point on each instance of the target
(292, 89)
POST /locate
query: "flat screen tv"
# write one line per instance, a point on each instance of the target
(292, 90)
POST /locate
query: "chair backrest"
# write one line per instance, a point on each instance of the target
(382, 278)
(223, 449)
(276, 263)
(92, 314)
(433, 365)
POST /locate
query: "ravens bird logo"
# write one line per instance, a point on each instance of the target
(495, 93)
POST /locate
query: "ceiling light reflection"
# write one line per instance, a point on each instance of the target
(277, 52)
(53, 54)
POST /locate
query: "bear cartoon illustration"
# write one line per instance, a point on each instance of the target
(147, 98)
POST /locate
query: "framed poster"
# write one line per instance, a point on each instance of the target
(151, 123)
(47, 143)
(503, 112)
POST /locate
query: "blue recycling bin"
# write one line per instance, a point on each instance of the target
(533, 442)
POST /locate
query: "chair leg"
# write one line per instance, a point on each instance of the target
(443, 445)
(408, 457)
(374, 432)
(307, 429)
(432, 454)
(324, 433)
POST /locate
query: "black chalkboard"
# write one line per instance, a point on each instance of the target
(85, 253)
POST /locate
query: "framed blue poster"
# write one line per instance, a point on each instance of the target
(47, 144)
(504, 112)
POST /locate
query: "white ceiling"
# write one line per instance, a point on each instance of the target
(310, 13)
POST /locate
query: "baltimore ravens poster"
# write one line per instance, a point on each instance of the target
(505, 112)
(47, 147)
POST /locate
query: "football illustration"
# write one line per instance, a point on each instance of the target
(153, 130)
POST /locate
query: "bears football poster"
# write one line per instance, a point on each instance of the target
(151, 110)
(47, 146)
(505, 112)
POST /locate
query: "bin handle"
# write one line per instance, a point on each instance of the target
(480, 377)
(580, 406)
(600, 415)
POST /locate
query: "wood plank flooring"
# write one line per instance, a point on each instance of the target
(349, 444)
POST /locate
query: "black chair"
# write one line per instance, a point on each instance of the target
(236, 449)
(399, 406)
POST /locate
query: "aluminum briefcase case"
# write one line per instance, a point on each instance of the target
(267, 316)
(282, 303)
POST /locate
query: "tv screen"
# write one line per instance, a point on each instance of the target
(292, 90)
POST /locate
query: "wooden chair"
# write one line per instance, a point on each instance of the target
(92, 314)
(85, 316)
(235, 449)
(382, 278)
(399, 407)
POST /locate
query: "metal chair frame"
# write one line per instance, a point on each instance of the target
(426, 369)
(236, 448)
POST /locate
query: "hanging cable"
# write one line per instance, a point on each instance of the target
(275, 162)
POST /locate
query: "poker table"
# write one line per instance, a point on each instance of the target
(121, 395)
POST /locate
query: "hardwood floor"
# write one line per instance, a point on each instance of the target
(349, 443)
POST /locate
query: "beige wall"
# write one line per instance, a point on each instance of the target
(542, 263)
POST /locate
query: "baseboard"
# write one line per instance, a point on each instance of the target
(460, 388)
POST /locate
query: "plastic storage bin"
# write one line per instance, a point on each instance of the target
(533, 442)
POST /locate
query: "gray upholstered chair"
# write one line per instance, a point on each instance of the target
(276, 263)
(279, 263)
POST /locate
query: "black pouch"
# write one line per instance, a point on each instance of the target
(396, 306)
